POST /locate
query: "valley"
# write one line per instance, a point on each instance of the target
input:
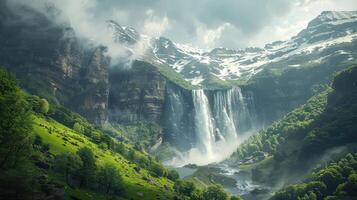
(164, 120)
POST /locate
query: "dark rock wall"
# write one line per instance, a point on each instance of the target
(136, 94)
(52, 62)
(274, 96)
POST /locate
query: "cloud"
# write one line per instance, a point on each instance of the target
(153, 25)
(201, 23)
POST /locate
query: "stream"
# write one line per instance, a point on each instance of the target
(234, 180)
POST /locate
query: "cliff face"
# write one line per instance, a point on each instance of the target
(136, 94)
(52, 62)
(275, 95)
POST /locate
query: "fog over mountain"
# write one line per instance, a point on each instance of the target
(203, 24)
(178, 99)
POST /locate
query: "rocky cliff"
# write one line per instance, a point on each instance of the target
(52, 62)
(136, 94)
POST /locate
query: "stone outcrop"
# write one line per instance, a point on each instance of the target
(136, 94)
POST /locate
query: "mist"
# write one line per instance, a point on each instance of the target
(82, 16)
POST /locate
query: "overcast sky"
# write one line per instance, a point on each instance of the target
(203, 23)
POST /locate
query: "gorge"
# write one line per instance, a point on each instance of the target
(245, 119)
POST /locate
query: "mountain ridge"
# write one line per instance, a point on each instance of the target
(329, 29)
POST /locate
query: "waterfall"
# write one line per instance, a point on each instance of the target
(203, 122)
(223, 109)
(177, 108)
(178, 118)
(218, 119)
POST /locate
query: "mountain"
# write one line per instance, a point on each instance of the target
(57, 154)
(54, 63)
(321, 185)
(157, 80)
(183, 105)
(316, 133)
(330, 35)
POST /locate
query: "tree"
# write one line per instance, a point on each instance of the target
(15, 123)
(348, 188)
(109, 179)
(39, 105)
(173, 175)
(331, 177)
(88, 167)
(78, 128)
(120, 148)
(44, 106)
(15, 141)
(184, 187)
(215, 192)
(132, 155)
(196, 195)
(67, 164)
(157, 170)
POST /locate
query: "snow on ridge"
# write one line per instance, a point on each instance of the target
(337, 15)
(232, 64)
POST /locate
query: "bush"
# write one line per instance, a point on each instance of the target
(109, 179)
(158, 170)
(38, 105)
(214, 192)
(67, 165)
(173, 175)
(87, 170)
(185, 188)
(78, 128)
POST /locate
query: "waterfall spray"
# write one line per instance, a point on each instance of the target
(217, 117)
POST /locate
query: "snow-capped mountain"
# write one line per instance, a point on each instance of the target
(123, 34)
(332, 35)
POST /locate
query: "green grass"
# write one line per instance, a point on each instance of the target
(174, 77)
(170, 74)
(249, 167)
(65, 139)
(214, 83)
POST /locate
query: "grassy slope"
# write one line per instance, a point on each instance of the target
(133, 181)
(325, 123)
(169, 73)
(212, 82)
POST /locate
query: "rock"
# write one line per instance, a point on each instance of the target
(136, 94)
(166, 187)
(55, 64)
(191, 166)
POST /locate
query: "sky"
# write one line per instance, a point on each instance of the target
(203, 24)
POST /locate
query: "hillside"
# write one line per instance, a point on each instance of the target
(319, 130)
(138, 183)
(141, 176)
(335, 181)
(58, 154)
(128, 100)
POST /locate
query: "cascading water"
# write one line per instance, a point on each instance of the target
(203, 122)
(217, 120)
(223, 108)
(179, 126)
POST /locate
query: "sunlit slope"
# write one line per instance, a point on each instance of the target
(138, 185)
